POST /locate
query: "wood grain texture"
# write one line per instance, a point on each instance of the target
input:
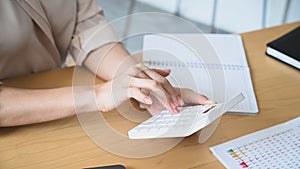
(64, 144)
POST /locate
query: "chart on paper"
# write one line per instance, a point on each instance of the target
(275, 147)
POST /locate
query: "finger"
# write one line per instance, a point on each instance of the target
(204, 100)
(174, 95)
(191, 97)
(135, 71)
(139, 68)
(164, 82)
(142, 75)
(156, 90)
(155, 108)
(146, 92)
(164, 73)
(139, 96)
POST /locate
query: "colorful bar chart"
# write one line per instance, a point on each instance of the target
(275, 147)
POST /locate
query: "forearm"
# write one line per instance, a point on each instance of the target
(109, 60)
(26, 106)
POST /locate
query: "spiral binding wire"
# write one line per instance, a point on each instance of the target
(194, 65)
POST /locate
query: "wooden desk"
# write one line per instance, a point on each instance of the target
(63, 144)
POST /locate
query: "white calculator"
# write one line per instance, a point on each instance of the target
(189, 120)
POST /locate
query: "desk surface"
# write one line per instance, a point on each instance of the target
(63, 143)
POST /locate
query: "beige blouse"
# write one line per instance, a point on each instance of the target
(36, 35)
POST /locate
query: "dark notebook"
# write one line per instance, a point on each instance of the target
(286, 48)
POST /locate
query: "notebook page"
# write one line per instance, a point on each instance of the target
(230, 49)
(274, 147)
(193, 70)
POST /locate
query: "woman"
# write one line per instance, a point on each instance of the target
(37, 35)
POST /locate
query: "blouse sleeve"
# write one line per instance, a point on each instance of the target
(91, 31)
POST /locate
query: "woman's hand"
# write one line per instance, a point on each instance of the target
(185, 96)
(189, 97)
(149, 87)
(145, 85)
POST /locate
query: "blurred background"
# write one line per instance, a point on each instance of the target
(210, 16)
(232, 16)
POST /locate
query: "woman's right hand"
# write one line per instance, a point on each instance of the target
(138, 82)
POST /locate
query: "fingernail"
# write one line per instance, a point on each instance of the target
(167, 70)
(147, 100)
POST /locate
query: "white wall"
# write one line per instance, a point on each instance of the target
(294, 13)
(233, 15)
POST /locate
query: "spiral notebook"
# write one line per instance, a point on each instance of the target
(212, 64)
